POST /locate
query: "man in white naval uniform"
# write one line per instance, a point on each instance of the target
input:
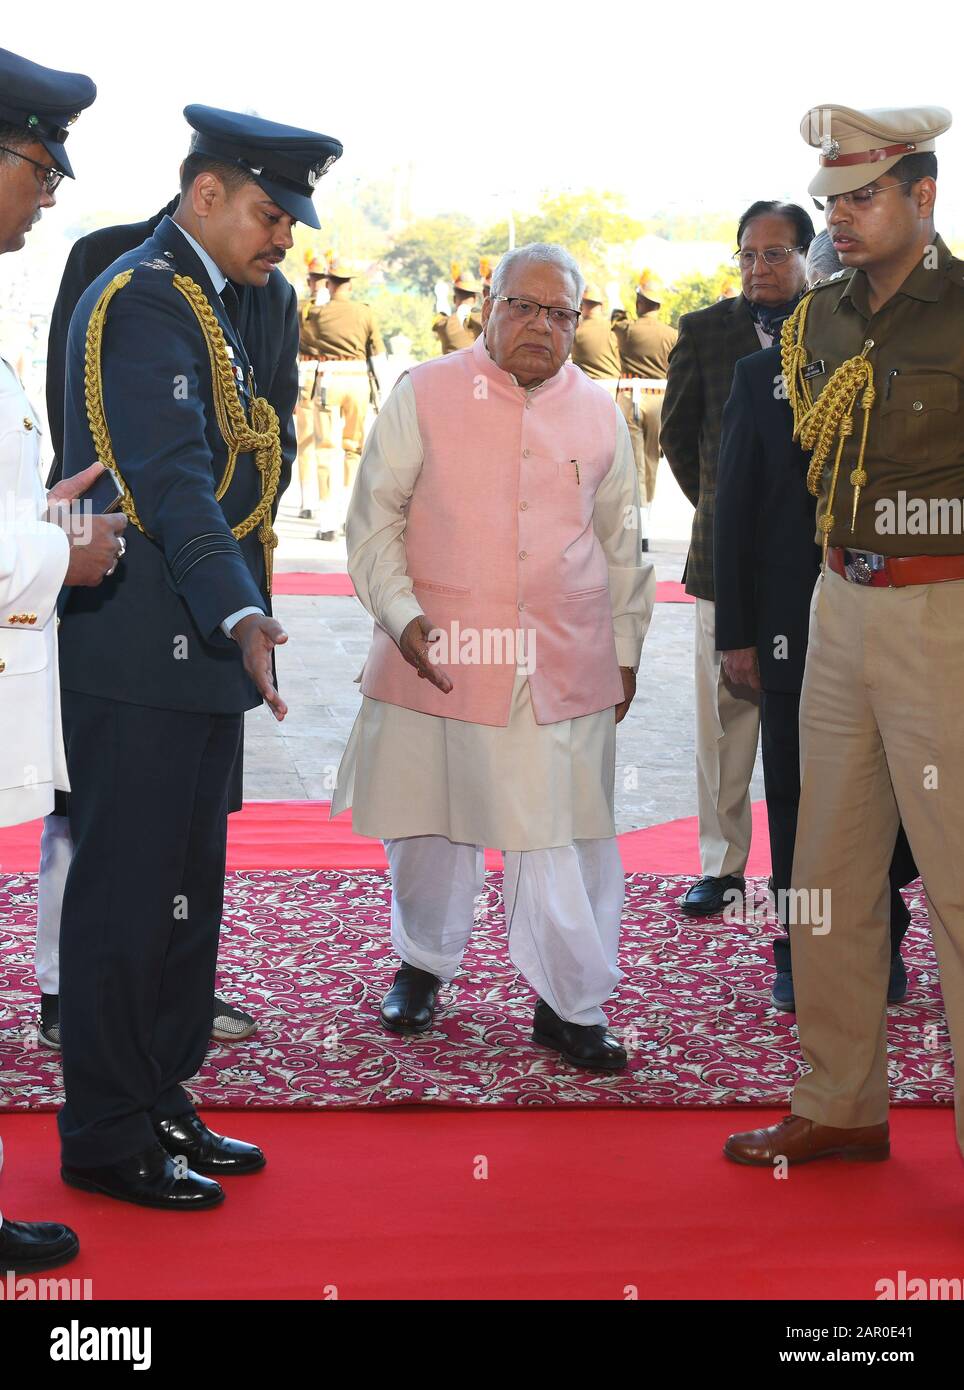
(465, 740)
(37, 556)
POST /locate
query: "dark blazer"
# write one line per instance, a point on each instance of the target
(765, 558)
(150, 634)
(711, 342)
(268, 323)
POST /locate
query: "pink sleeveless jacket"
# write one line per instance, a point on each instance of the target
(500, 538)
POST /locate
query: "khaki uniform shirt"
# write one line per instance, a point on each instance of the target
(644, 346)
(342, 328)
(453, 335)
(915, 440)
(595, 349)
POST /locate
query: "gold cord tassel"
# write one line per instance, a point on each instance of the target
(821, 424)
(261, 436)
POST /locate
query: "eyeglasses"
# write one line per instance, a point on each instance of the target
(773, 255)
(861, 197)
(52, 178)
(527, 310)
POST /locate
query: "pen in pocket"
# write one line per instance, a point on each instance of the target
(575, 464)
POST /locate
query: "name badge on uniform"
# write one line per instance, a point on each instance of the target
(814, 369)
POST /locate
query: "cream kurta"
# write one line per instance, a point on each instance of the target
(524, 786)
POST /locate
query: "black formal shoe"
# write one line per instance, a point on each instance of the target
(708, 896)
(149, 1179)
(584, 1045)
(409, 1006)
(645, 544)
(325, 535)
(306, 514)
(897, 984)
(206, 1152)
(783, 992)
(26, 1246)
(49, 1030)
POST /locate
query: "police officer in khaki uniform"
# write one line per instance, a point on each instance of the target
(644, 348)
(340, 347)
(594, 346)
(874, 365)
(460, 328)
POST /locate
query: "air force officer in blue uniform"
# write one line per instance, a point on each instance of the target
(158, 666)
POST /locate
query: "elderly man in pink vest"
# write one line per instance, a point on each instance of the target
(492, 535)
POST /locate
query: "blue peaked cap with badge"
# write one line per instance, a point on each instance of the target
(44, 101)
(283, 160)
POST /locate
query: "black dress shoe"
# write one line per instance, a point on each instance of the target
(149, 1179)
(49, 1030)
(708, 895)
(584, 1045)
(26, 1246)
(206, 1152)
(409, 1006)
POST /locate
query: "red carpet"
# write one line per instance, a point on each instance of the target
(575, 1206)
(309, 954)
(328, 584)
(299, 835)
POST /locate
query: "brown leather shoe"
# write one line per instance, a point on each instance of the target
(799, 1141)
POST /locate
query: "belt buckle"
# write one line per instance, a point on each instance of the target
(860, 567)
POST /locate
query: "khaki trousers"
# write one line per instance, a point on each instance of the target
(644, 432)
(343, 394)
(727, 733)
(881, 739)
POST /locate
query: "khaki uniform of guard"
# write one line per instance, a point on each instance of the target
(594, 346)
(337, 339)
(455, 332)
(644, 348)
(881, 733)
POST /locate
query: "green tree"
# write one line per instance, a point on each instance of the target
(426, 252)
(404, 311)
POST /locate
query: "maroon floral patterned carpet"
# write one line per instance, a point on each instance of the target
(308, 953)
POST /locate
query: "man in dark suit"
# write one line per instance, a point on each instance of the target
(772, 240)
(158, 668)
(269, 326)
(765, 563)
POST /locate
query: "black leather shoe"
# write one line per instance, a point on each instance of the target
(26, 1246)
(149, 1179)
(409, 1006)
(707, 897)
(584, 1045)
(897, 984)
(206, 1152)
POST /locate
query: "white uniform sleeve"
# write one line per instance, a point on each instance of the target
(632, 581)
(33, 562)
(375, 527)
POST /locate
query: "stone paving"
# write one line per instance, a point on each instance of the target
(328, 642)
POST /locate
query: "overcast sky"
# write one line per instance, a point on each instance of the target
(671, 105)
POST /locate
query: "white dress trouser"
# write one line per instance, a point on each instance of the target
(727, 733)
(563, 908)
(56, 852)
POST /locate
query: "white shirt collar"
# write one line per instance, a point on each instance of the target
(218, 277)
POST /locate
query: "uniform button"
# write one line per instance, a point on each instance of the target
(868, 344)
(523, 506)
(918, 405)
(27, 423)
(32, 618)
(25, 617)
(523, 554)
(3, 665)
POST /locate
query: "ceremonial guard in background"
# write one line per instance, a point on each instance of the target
(644, 347)
(37, 555)
(268, 324)
(874, 366)
(342, 356)
(158, 666)
(594, 347)
(462, 326)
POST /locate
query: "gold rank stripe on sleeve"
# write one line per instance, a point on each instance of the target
(830, 419)
(261, 436)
